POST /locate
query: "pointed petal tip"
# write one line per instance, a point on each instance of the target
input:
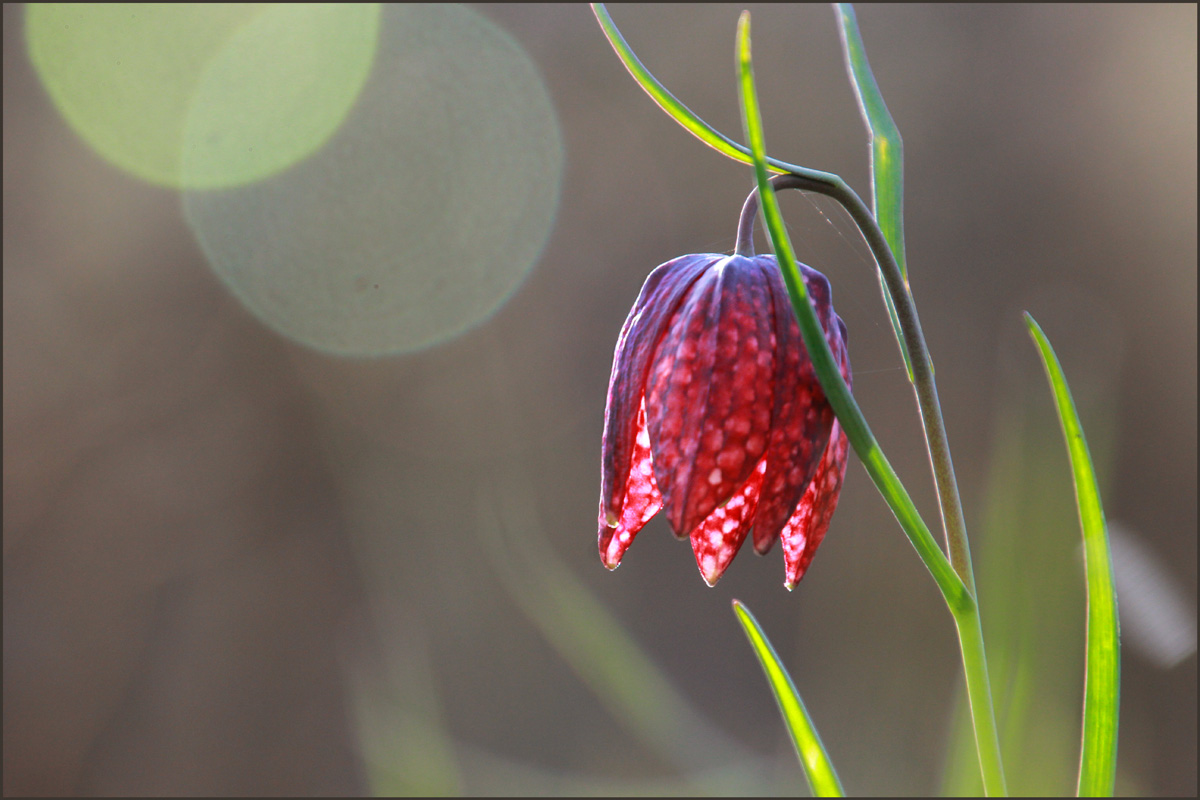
(610, 550)
(712, 574)
(610, 557)
(792, 577)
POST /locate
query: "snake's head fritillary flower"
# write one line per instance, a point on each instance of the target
(715, 415)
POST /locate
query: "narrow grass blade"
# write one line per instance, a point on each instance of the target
(887, 155)
(667, 101)
(887, 149)
(822, 777)
(1102, 671)
(684, 115)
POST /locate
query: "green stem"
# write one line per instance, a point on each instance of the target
(979, 694)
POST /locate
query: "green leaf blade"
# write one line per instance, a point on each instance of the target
(830, 376)
(659, 93)
(887, 148)
(822, 777)
(887, 156)
(687, 118)
(1102, 671)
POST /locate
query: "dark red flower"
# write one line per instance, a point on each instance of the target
(715, 414)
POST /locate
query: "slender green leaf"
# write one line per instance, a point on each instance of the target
(1034, 608)
(958, 597)
(887, 149)
(828, 373)
(822, 777)
(667, 101)
(887, 158)
(1102, 671)
(684, 115)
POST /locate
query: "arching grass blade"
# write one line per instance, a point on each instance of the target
(822, 777)
(684, 115)
(1102, 670)
(887, 149)
(887, 155)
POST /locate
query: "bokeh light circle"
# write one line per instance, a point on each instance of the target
(422, 214)
(200, 95)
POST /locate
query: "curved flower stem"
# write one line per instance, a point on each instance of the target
(914, 342)
(960, 593)
(954, 589)
(745, 232)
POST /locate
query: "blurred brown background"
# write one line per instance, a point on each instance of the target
(236, 565)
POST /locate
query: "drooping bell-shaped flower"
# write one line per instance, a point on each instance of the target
(715, 415)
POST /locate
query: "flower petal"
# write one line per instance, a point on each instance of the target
(642, 500)
(676, 390)
(709, 392)
(802, 418)
(658, 301)
(716, 540)
(806, 528)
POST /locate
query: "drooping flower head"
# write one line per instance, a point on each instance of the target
(715, 415)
